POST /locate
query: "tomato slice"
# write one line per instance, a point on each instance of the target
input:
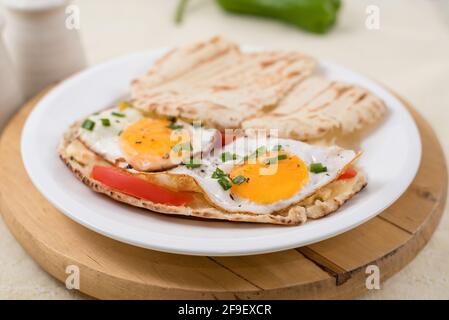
(227, 137)
(348, 174)
(134, 186)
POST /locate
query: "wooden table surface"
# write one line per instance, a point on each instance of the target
(406, 55)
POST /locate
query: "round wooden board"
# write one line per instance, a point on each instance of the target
(335, 268)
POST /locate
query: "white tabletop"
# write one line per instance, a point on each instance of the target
(409, 53)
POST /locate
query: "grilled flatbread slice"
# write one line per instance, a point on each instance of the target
(317, 106)
(215, 82)
(80, 160)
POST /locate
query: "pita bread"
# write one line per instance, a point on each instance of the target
(317, 106)
(81, 160)
(215, 82)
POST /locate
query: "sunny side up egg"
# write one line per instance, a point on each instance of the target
(265, 176)
(130, 140)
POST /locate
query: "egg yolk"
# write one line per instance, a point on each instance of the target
(148, 143)
(269, 183)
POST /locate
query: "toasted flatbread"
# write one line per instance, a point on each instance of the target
(215, 82)
(81, 160)
(223, 87)
(317, 107)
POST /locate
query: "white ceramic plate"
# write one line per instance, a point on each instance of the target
(391, 158)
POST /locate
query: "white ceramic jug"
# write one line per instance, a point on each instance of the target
(10, 94)
(44, 47)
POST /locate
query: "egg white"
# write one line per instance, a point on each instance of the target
(334, 158)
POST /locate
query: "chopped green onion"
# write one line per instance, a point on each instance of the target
(271, 161)
(259, 151)
(277, 148)
(282, 156)
(88, 125)
(120, 132)
(226, 156)
(118, 114)
(239, 180)
(218, 173)
(317, 168)
(274, 160)
(174, 126)
(186, 146)
(224, 183)
(192, 163)
(105, 122)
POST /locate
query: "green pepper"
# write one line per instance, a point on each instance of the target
(313, 15)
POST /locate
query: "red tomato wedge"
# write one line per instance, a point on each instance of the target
(348, 174)
(134, 186)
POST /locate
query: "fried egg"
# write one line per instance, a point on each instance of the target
(128, 139)
(264, 176)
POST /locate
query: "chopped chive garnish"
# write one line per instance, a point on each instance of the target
(239, 180)
(224, 183)
(271, 161)
(275, 159)
(105, 122)
(226, 156)
(174, 126)
(88, 125)
(282, 156)
(118, 114)
(120, 132)
(218, 173)
(192, 163)
(317, 168)
(186, 146)
(259, 151)
(277, 148)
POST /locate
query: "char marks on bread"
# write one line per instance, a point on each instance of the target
(217, 83)
(318, 106)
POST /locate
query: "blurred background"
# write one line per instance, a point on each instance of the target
(409, 52)
(403, 44)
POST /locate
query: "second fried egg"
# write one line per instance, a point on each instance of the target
(265, 176)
